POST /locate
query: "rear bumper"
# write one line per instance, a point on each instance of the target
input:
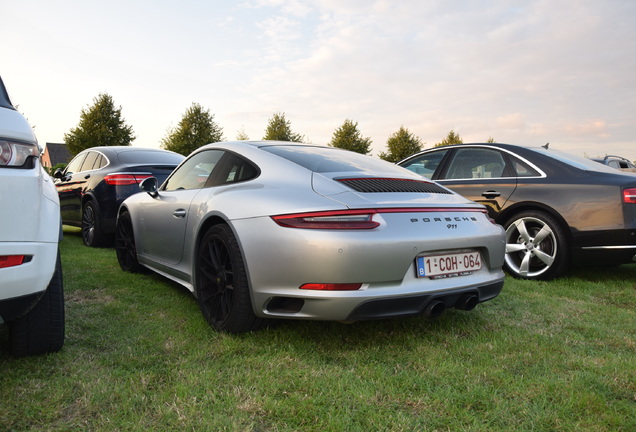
(34, 275)
(417, 305)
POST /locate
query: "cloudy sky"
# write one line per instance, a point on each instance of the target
(524, 72)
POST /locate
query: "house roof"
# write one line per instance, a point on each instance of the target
(58, 153)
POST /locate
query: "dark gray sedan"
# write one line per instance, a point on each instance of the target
(557, 209)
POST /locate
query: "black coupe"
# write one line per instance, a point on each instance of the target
(97, 180)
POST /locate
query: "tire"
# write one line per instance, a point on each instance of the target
(42, 329)
(91, 225)
(536, 246)
(125, 247)
(221, 284)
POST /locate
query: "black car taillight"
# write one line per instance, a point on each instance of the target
(123, 179)
(629, 196)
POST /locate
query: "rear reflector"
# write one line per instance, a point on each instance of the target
(629, 196)
(332, 286)
(11, 260)
(124, 179)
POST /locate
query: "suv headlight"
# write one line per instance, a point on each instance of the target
(15, 154)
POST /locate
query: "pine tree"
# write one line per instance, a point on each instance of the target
(196, 128)
(348, 137)
(401, 145)
(100, 125)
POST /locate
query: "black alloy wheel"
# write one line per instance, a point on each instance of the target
(91, 226)
(221, 283)
(125, 245)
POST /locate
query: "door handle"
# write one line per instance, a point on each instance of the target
(87, 176)
(491, 194)
(179, 213)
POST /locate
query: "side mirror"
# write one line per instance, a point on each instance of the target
(58, 174)
(150, 186)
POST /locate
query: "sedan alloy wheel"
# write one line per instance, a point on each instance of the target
(535, 246)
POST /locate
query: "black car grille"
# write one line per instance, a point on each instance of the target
(375, 185)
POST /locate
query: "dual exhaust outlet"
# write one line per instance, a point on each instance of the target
(437, 306)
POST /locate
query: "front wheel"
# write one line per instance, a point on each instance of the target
(42, 329)
(536, 246)
(221, 283)
(125, 247)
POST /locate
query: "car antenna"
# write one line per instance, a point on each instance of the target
(546, 145)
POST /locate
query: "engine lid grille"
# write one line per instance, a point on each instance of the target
(396, 185)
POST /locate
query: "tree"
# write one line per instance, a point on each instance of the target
(348, 137)
(241, 135)
(279, 129)
(451, 138)
(196, 128)
(100, 125)
(401, 145)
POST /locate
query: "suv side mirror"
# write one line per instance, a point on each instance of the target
(58, 174)
(150, 186)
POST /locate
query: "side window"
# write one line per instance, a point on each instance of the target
(524, 170)
(89, 162)
(194, 172)
(75, 165)
(236, 169)
(426, 164)
(100, 162)
(476, 163)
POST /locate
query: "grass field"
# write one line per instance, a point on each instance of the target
(543, 356)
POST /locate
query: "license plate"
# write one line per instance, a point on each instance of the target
(459, 264)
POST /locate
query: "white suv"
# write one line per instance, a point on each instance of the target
(31, 288)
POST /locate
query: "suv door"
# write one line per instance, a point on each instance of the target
(69, 188)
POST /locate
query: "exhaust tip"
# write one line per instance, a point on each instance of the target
(467, 302)
(435, 308)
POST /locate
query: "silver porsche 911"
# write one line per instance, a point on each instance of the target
(260, 230)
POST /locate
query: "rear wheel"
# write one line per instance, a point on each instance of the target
(221, 283)
(536, 246)
(125, 247)
(91, 226)
(42, 329)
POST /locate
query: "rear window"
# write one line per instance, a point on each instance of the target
(575, 161)
(149, 157)
(326, 160)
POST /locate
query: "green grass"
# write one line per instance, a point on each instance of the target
(543, 356)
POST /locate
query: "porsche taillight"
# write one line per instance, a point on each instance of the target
(629, 196)
(343, 219)
(331, 286)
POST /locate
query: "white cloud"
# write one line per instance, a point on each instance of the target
(521, 72)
